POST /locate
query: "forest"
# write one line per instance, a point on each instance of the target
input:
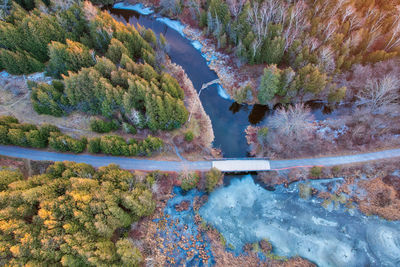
(306, 46)
(100, 66)
(71, 215)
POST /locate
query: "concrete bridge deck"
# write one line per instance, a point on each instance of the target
(241, 165)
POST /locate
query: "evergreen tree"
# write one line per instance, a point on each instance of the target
(49, 99)
(270, 84)
(68, 57)
(116, 50)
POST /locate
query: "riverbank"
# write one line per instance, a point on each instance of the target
(199, 122)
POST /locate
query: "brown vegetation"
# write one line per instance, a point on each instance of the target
(382, 198)
(25, 166)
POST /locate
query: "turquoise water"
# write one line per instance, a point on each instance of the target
(244, 212)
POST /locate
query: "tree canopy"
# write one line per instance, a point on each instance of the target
(71, 215)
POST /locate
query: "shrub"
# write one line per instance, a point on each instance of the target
(189, 136)
(114, 145)
(102, 126)
(316, 172)
(35, 139)
(65, 143)
(49, 99)
(5, 120)
(336, 171)
(94, 145)
(212, 178)
(4, 135)
(46, 129)
(25, 127)
(128, 128)
(17, 137)
(189, 180)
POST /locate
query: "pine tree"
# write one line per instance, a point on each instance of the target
(115, 51)
(269, 85)
(71, 56)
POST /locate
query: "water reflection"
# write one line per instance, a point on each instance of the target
(258, 113)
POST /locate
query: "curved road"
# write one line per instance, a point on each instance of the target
(150, 165)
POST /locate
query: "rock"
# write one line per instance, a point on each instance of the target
(184, 205)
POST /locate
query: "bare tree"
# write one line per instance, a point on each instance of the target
(327, 60)
(394, 40)
(295, 122)
(380, 95)
(297, 23)
(236, 6)
(260, 16)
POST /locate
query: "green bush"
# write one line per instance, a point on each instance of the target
(128, 128)
(212, 179)
(65, 143)
(49, 99)
(189, 136)
(102, 126)
(46, 129)
(35, 139)
(316, 172)
(189, 180)
(25, 127)
(94, 145)
(5, 120)
(336, 170)
(4, 135)
(114, 145)
(17, 137)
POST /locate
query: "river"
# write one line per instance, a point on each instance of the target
(229, 119)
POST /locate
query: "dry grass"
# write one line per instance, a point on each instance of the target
(15, 100)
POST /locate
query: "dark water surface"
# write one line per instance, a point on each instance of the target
(229, 119)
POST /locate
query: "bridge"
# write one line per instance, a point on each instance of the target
(241, 165)
(205, 85)
(225, 165)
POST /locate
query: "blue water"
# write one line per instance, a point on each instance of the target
(244, 212)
